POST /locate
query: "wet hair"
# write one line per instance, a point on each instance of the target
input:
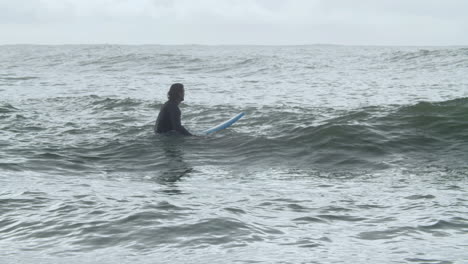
(174, 91)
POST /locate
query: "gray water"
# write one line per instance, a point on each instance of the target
(345, 155)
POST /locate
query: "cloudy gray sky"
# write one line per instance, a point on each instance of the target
(273, 22)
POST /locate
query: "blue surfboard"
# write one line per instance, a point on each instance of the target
(223, 125)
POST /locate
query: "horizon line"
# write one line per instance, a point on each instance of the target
(257, 45)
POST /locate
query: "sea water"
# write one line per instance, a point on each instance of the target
(345, 155)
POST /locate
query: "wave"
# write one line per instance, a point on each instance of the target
(120, 59)
(22, 78)
(436, 57)
(422, 129)
(7, 108)
(369, 138)
(112, 103)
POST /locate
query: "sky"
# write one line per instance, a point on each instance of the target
(249, 22)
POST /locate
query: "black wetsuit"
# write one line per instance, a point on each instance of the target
(169, 119)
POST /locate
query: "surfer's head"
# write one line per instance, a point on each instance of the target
(176, 92)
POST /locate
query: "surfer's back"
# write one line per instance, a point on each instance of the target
(170, 114)
(169, 119)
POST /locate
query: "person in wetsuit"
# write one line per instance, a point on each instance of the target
(169, 115)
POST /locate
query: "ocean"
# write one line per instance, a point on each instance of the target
(346, 154)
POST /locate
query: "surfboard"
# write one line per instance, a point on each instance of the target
(223, 125)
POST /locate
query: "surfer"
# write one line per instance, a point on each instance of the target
(169, 115)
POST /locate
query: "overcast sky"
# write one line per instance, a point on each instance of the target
(271, 22)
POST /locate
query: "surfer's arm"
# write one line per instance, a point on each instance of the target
(176, 123)
(184, 131)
